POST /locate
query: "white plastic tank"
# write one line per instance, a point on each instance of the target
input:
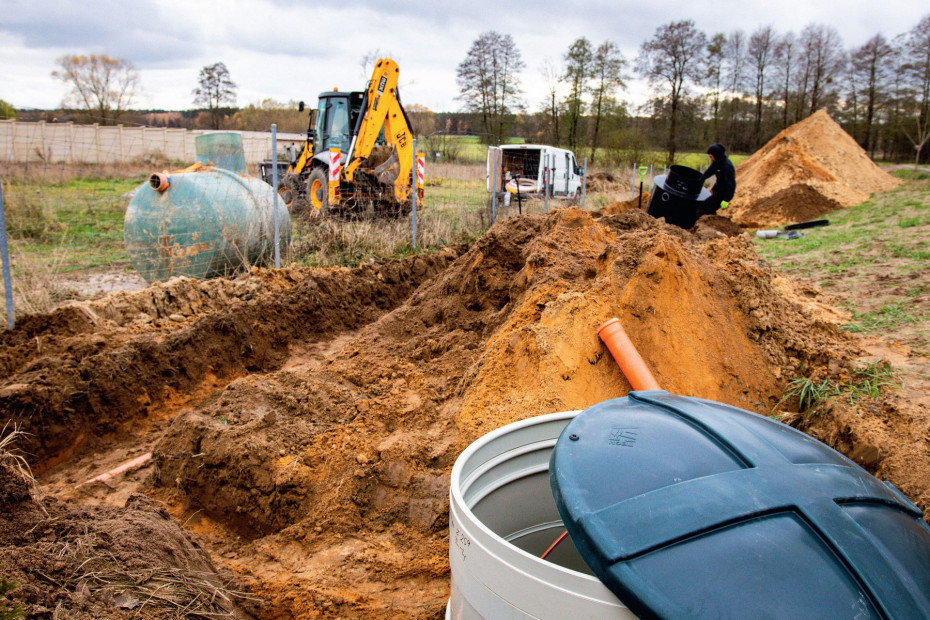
(502, 518)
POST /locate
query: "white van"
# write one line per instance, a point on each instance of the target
(523, 167)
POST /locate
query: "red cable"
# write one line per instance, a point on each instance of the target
(554, 545)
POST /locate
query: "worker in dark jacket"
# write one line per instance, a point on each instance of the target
(725, 185)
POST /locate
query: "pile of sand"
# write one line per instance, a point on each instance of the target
(622, 206)
(810, 168)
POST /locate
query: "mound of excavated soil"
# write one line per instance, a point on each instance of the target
(606, 182)
(319, 460)
(810, 168)
(622, 206)
(92, 563)
(342, 468)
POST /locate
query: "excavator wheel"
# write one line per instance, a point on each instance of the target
(288, 189)
(286, 195)
(318, 193)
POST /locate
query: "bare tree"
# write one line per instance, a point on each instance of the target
(489, 83)
(714, 75)
(579, 63)
(761, 54)
(101, 86)
(671, 59)
(369, 59)
(734, 68)
(870, 68)
(215, 88)
(823, 59)
(786, 55)
(735, 61)
(551, 108)
(916, 68)
(607, 72)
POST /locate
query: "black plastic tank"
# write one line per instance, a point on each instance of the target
(687, 508)
(675, 196)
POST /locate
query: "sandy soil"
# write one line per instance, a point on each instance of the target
(810, 168)
(304, 422)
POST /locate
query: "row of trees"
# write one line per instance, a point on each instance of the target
(104, 88)
(733, 88)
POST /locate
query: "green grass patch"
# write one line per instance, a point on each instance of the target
(911, 222)
(874, 256)
(814, 397)
(910, 174)
(889, 315)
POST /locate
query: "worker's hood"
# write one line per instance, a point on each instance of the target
(718, 151)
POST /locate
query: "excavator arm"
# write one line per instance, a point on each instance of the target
(382, 108)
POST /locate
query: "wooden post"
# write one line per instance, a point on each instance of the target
(43, 138)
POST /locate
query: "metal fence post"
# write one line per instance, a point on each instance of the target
(494, 186)
(274, 185)
(546, 178)
(413, 194)
(5, 255)
(584, 182)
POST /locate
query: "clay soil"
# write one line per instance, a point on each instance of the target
(304, 422)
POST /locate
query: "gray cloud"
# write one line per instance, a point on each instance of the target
(289, 49)
(141, 32)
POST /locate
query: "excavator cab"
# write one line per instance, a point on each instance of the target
(336, 119)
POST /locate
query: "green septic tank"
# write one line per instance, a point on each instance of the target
(222, 149)
(207, 222)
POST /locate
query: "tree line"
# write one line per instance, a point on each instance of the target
(735, 88)
(103, 88)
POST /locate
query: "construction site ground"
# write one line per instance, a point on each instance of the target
(294, 430)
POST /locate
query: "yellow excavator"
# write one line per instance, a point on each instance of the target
(358, 155)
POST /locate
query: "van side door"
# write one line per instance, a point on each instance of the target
(493, 167)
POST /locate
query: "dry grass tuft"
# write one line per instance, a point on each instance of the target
(331, 242)
(37, 284)
(15, 464)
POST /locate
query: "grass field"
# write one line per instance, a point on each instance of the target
(874, 258)
(470, 149)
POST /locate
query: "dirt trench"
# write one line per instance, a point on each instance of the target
(317, 472)
(84, 370)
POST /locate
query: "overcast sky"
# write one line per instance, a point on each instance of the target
(293, 50)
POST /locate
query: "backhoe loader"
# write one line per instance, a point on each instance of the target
(358, 155)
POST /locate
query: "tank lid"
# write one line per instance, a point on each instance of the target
(690, 508)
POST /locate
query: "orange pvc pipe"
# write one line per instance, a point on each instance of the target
(160, 181)
(131, 464)
(626, 356)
